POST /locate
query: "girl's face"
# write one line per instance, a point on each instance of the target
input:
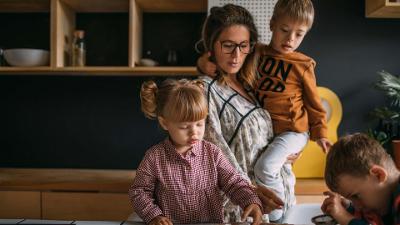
(184, 134)
(231, 48)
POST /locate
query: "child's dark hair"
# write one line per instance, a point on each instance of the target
(221, 18)
(176, 100)
(299, 10)
(354, 155)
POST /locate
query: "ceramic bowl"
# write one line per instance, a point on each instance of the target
(26, 57)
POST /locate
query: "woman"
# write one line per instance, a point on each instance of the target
(236, 122)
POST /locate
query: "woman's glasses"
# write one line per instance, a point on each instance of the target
(228, 47)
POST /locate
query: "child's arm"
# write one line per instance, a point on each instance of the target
(237, 188)
(141, 192)
(205, 66)
(315, 110)
(333, 206)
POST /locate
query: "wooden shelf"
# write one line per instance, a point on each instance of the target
(12, 179)
(101, 71)
(382, 9)
(24, 6)
(172, 5)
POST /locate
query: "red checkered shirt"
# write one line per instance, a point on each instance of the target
(187, 189)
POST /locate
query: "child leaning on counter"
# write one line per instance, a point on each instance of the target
(181, 178)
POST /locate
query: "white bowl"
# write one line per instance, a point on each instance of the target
(26, 57)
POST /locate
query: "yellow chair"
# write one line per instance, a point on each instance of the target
(311, 164)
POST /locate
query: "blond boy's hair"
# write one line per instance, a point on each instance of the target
(298, 10)
(354, 155)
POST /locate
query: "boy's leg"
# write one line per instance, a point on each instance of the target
(269, 169)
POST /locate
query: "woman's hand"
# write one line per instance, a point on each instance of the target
(160, 220)
(254, 211)
(325, 144)
(205, 66)
(293, 157)
(269, 199)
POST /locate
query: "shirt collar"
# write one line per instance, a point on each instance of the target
(195, 150)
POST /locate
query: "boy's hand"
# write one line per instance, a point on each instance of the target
(160, 220)
(325, 144)
(334, 205)
(254, 211)
(206, 66)
(269, 199)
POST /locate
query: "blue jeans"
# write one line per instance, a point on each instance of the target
(272, 171)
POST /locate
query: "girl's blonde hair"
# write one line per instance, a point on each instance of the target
(221, 18)
(175, 100)
(298, 10)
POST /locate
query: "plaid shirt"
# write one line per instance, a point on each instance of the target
(187, 189)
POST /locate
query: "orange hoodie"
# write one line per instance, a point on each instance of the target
(287, 88)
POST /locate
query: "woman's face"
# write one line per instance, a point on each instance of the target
(231, 48)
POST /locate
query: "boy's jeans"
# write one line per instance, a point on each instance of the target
(272, 171)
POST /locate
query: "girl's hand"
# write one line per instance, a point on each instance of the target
(205, 66)
(160, 220)
(325, 144)
(333, 205)
(269, 199)
(254, 211)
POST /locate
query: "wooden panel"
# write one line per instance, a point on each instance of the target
(62, 26)
(85, 206)
(66, 179)
(310, 199)
(24, 5)
(135, 33)
(20, 204)
(382, 9)
(173, 5)
(310, 186)
(98, 5)
(101, 71)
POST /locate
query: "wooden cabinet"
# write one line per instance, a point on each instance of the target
(65, 194)
(85, 206)
(382, 8)
(63, 21)
(20, 204)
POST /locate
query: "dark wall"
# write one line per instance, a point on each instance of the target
(349, 49)
(95, 122)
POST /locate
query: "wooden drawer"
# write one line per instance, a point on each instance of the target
(85, 206)
(310, 199)
(20, 204)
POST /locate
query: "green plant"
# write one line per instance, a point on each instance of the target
(387, 117)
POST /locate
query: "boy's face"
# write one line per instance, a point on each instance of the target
(366, 193)
(287, 34)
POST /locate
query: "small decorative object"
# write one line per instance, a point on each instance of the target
(78, 56)
(323, 220)
(2, 63)
(147, 61)
(172, 58)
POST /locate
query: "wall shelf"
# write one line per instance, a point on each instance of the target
(101, 71)
(382, 9)
(63, 16)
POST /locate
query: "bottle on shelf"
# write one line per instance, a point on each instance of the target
(78, 56)
(67, 52)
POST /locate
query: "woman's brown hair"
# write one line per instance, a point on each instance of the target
(176, 100)
(221, 18)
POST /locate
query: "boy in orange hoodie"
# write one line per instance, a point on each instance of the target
(286, 88)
